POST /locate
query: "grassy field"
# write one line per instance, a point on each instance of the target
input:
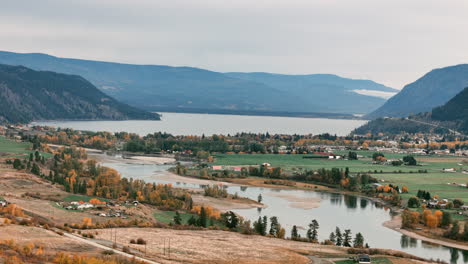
(168, 216)
(435, 180)
(18, 148)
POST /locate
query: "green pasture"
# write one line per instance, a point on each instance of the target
(18, 148)
(435, 180)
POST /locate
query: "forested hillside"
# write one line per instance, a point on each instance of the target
(453, 116)
(27, 95)
(432, 90)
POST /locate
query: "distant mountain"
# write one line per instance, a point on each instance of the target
(180, 89)
(433, 89)
(327, 92)
(27, 95)
(453, 116)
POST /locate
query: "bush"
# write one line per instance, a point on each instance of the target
(126, 249)
(132, 241)
(141, 241)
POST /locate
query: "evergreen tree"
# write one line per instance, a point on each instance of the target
(264, 225)
(259, 198)
(447, 220)
(192, 221)
(358, 241)
(339, 237)
(258, 226)
(312, 233)
(177, 218)
(17, 164)
(332, 237)
(274, 226)
(294, 234)
(35, 169)
(202, 220)
(347, 238)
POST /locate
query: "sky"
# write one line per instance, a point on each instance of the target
(393, 42)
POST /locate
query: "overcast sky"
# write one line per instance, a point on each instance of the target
(389, 41)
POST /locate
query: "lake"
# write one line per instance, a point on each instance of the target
(209, 124)
(345, 211)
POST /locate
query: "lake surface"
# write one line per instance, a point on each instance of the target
(345, 211)
(209, 124)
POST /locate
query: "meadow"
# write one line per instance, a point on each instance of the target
(435, 180)
(18, 149)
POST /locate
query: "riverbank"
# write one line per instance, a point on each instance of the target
(395, 224)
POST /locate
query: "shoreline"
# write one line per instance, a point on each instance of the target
(395, 224)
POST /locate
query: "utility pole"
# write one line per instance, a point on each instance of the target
(169, 249)
(164, 246)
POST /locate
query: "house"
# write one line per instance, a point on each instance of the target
(85, 206)
(364, 259)
(464, 207)
(3, 203)
(238, 169)
(217, 167)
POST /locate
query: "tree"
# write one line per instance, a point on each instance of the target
(274, 226)
(347, 238)
(447, 220)
(259, 198)
(17, 164)
(457, 203)
(413, 202)
(230, 219)
(352, 155)
(358, 241)
(339, 237)
(312, 233)
(454, 232)
(192, 221)
(202, 220)
(410, 160)
(260, 226)
(332, 237)
(177, 218)
(294, 234)
(35, 169)
(378, 156)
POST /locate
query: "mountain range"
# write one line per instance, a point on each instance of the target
(432, 90)
(28, 95)
(449, 118)
(188, 89)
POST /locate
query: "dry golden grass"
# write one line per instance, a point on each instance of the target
(189, 246)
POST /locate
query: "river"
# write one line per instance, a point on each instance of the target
(209, 124)
(345, 211)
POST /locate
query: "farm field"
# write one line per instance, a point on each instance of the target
(18, 148)
(435, 180)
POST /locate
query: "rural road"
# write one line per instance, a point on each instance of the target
(94, 244)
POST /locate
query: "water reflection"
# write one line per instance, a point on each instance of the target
(335, 198)
(243, 188)
(454, 255)
(364, 203)
(350, 201)
(404, 241)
